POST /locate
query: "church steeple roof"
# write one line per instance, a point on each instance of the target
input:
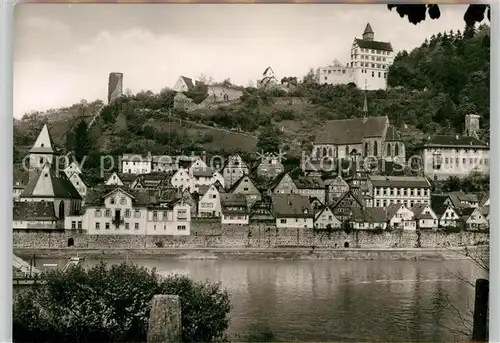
(44, 143)
(368, 29)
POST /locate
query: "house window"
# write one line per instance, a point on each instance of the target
(136, 226)
(123, 201)
(181, 227)
(108, 213)
(181, 214)
(283, 221)
(214, 196)
(97, 226)
(165, 215)
(107, 226)
(127, 213)
(79, 225)
(155, 215)
(112, 201)
(127, 226)
(97, 213)
(137, 214)
(73, 225)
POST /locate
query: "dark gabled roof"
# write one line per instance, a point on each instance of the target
(484, 197)
(61, 185)
(127, 177)
(95, 196)
(418, 210)
(392, 209)
(233, 199)
(240, 180)
(454, 142)
(399, 181)
(438, 199)
(34, 210)
(368, 29)
(352, 131)
(203, 172)
(188, 81)
(465, 213)
(368, 215)
(309, 182)
(374, 45)
(485, 210)
(291, 206)
(355, 196)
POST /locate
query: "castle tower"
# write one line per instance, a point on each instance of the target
(42, 152)
(368, 35)
(115, 86)
(471, 125)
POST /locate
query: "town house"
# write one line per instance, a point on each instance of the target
(173, 219)
(136, 164)
(325, 219)
(116, 179)
(407, 190)
(462, 200)
(79, 184)
(35, 216)
(209, 203)
(473, 219)
(425, 216)
(234, 169)
(247, 187)
(261, 211)
(369, 218)
(335, 189)
(270, 166)
(292, 211)
(456, 155)
(234, 209)
(343, 206)
(20, 180)
(284, 185)
(400, 217)
(311, 187)
(182, 179)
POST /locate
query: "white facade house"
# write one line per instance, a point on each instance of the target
(325, 218)
(407, 190)
(370, 218)
(447, 216)
(400, 217)
(368, 67)
(136, 164)
(292, 211)
(79, 184)
(182, 179)
(73, 167)
(121, 212)
(114, 180)
(474, 219)
(456, 155)
(425, 216)
(209, 204)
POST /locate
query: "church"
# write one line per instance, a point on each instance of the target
(46, 183)
(362, 137)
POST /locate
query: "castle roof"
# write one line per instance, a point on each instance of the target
(352, 131)
(454, 141)
(374, 45)
(368, 29)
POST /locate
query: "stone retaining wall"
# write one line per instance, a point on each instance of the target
(214, 235)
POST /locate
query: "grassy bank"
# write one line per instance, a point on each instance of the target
(253, 253)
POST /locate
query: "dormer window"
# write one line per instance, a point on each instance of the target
(41, 160)
(112, 201)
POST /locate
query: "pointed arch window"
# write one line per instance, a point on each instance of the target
(389, 149)
(375, 148)
(366, 149)
(325, 153)
(396, 149)
(347, 150)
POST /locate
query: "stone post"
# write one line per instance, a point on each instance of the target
(480, 326)
(165, 320)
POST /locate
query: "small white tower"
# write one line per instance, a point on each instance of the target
(43, 151)
(471, 125)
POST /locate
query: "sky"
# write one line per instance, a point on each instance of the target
(64, 53)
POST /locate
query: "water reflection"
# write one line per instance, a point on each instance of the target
(356, 301)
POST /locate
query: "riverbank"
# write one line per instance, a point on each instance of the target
(403, 254)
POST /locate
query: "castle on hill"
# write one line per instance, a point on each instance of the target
(368, 66)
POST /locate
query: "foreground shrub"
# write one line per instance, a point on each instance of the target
(112, 304)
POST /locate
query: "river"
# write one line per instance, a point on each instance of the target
(324, 300)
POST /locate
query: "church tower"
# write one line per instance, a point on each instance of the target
(42, 152)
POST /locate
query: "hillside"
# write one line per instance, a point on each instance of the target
(432, 88)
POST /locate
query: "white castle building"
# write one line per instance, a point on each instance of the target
(369, 64)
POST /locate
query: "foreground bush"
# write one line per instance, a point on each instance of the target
(112, 304)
